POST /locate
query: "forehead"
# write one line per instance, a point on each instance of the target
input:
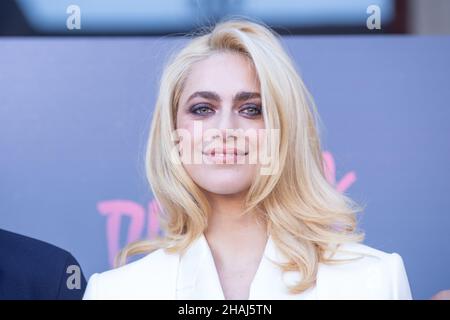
(225, 73)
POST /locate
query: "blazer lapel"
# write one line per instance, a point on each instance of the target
(197, 274)
(270, 283)
(198, 278)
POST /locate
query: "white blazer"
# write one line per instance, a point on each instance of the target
(160, 275)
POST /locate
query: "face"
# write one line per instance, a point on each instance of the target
(220, 111)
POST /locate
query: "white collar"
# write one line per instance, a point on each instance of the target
(198, 277)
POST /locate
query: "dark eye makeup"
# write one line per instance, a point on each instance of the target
(201, 109)
(249, 110)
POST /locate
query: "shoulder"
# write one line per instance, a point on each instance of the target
(151, 277)
(14, 244)
(35, 269)
(368, 273)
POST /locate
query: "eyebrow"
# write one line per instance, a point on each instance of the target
(240, 96)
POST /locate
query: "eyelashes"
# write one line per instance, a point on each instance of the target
(250, 110)
(201, 109)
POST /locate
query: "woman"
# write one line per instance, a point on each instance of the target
(255, 218)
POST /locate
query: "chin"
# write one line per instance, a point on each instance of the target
(225, 186)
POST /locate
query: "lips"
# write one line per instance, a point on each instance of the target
(224, 152)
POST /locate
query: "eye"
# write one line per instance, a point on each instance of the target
(201, 109)
(251, 110)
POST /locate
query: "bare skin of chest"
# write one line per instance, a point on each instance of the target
(236, 279)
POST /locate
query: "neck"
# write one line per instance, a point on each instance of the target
(226, 222)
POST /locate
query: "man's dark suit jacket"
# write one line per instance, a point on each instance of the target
(33, 269)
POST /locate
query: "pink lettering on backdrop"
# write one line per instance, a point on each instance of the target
(115, 210)
(330, 173)
(152, 221)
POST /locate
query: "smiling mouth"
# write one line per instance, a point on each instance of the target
(213, 153)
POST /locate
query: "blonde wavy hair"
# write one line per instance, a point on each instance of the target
(305, 215)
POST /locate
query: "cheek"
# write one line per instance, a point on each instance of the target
(182, 121)
(190, 144)
(255, 138)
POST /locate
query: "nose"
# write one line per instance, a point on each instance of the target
(225, 119)
(227, 124)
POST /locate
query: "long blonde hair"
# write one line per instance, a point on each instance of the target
(305, 214)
